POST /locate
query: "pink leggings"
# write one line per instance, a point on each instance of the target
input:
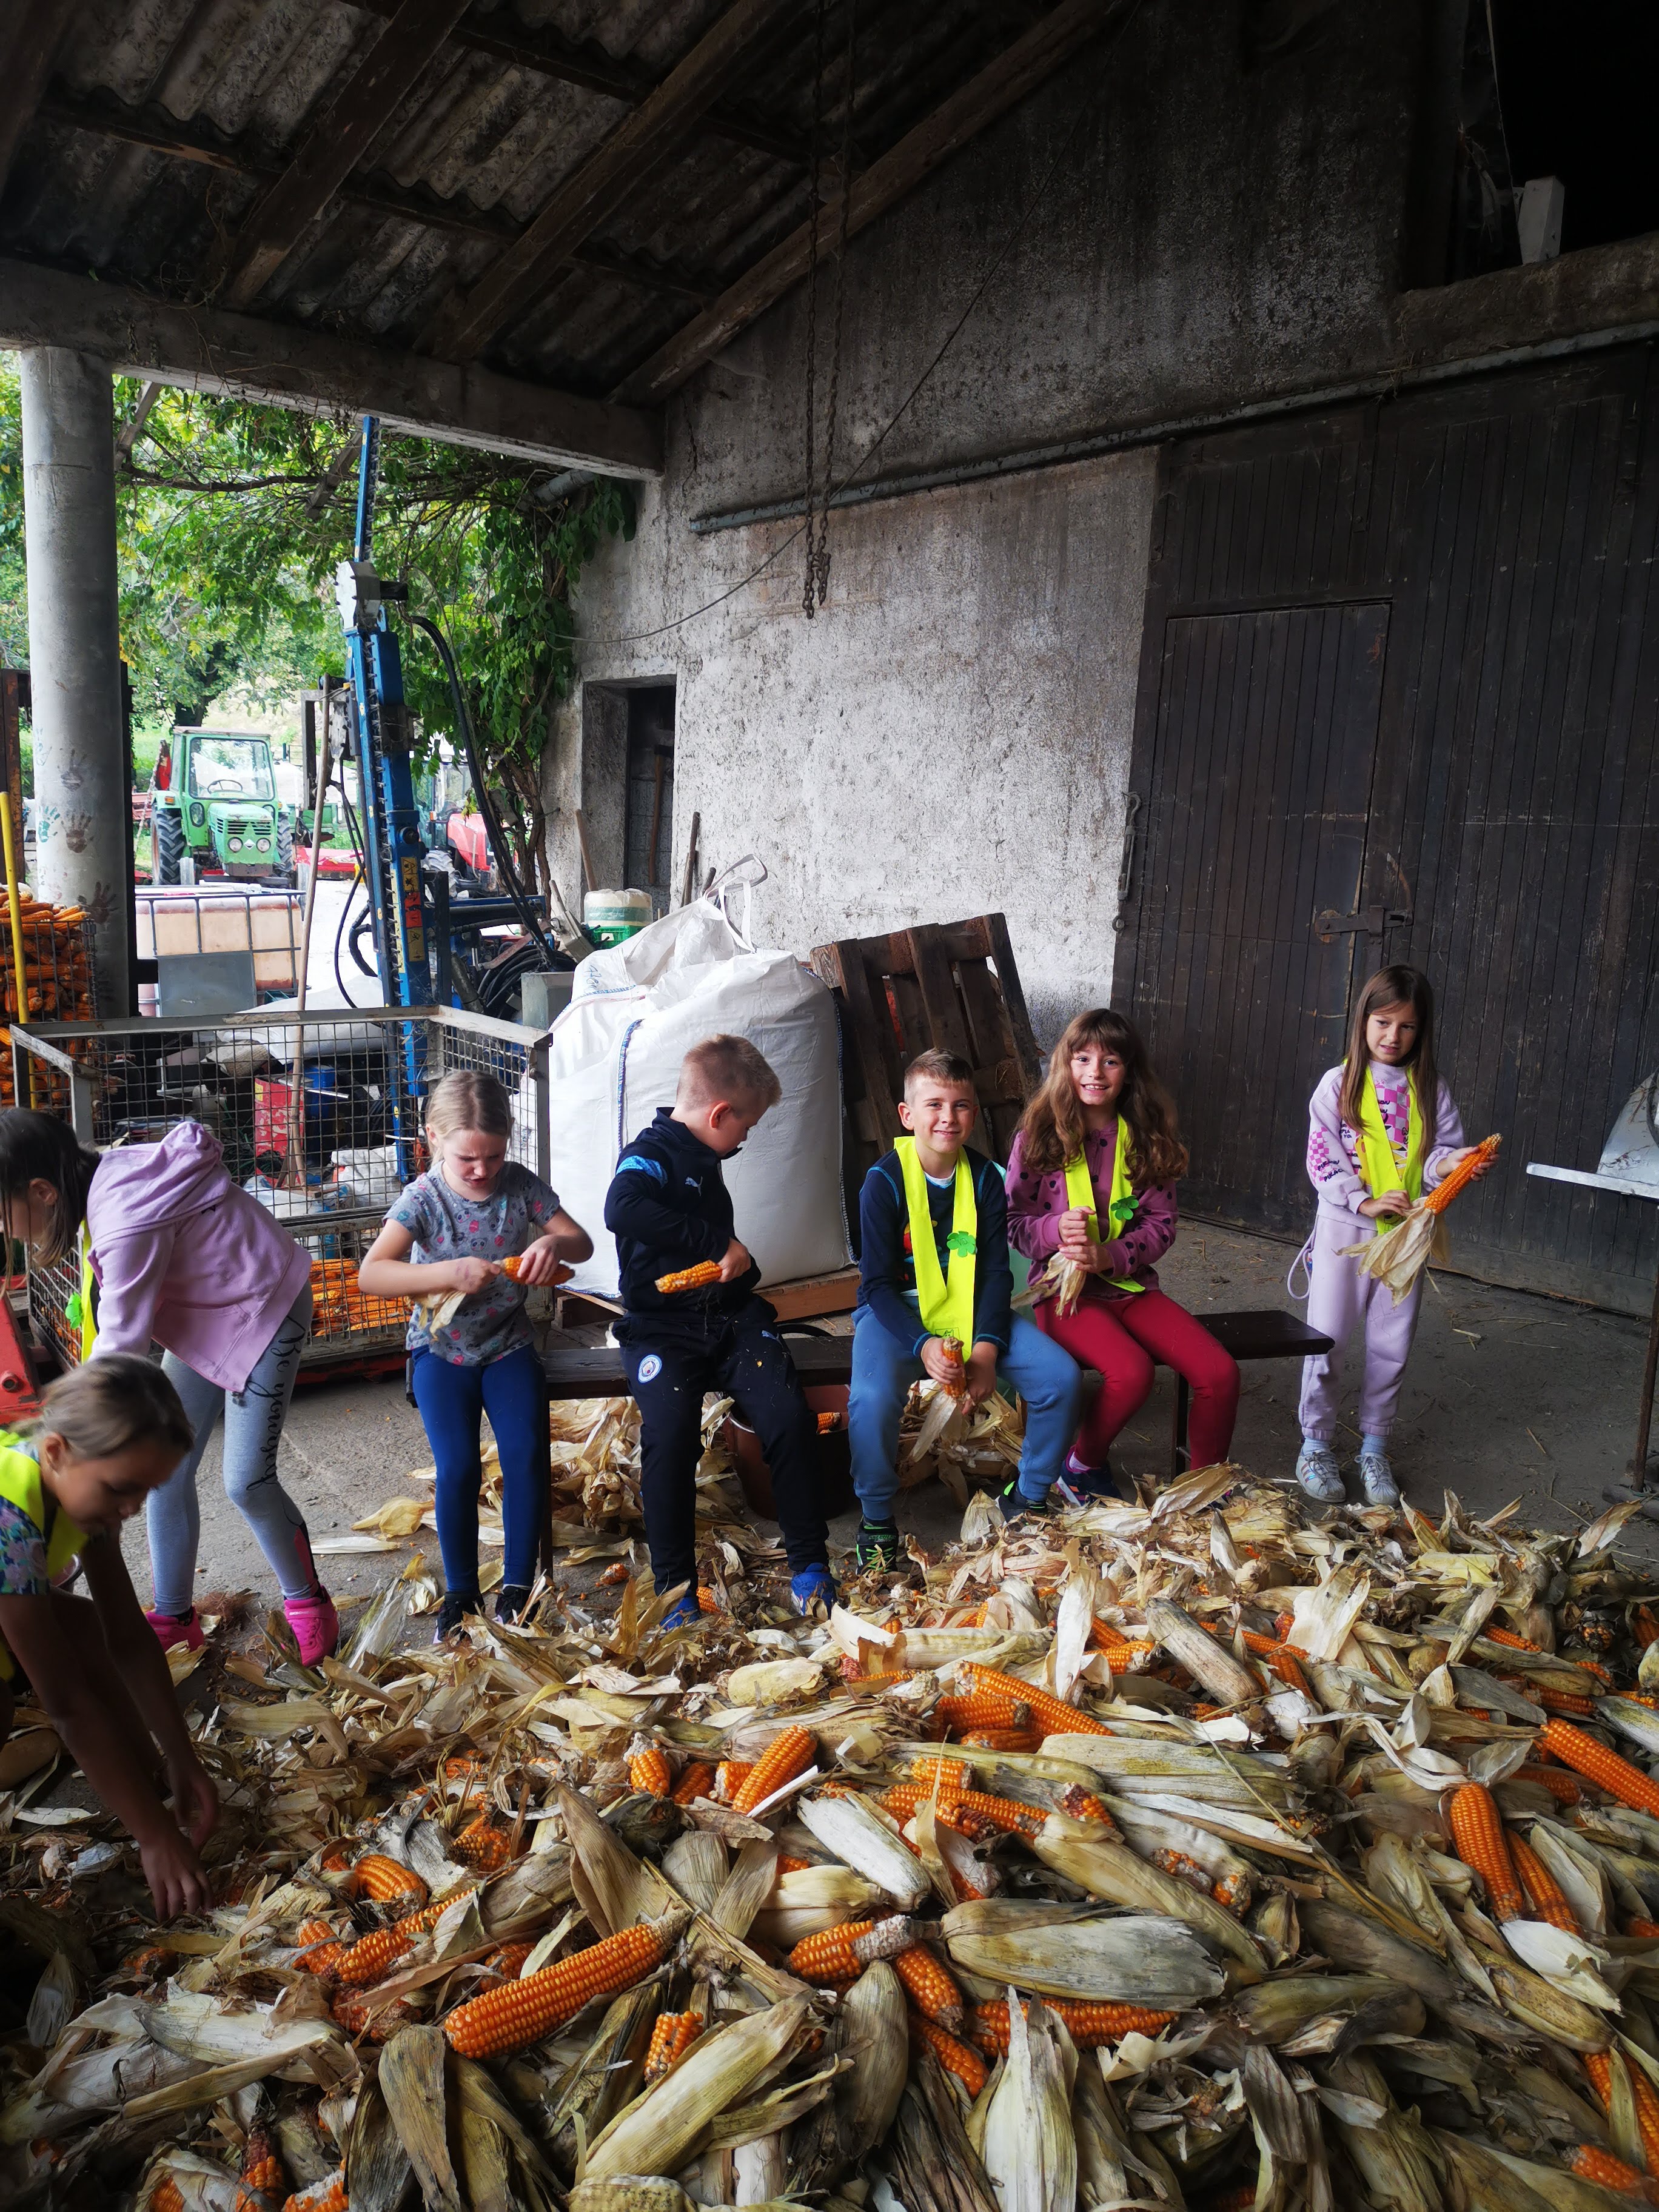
(1122, 1338)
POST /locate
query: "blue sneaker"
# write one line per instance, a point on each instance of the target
(812, 1588)
(1017, 1507)
(686, 1614)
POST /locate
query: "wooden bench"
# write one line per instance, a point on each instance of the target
(1258, 1332)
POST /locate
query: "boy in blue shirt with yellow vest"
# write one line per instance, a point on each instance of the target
(933, 1268)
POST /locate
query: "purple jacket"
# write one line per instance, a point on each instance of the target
(1036, 1202)
(182, 1256)
(1333, 1147)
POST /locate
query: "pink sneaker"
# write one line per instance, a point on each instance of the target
(177, 1628)
(315, 1624)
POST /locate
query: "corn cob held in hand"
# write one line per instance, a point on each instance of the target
(1398, 1255)
(689, 1279)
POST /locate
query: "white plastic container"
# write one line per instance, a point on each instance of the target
(610, 917)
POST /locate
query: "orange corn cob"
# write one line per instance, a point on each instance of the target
(1561, 1785)
(1517, 1643)
(1545, 1894)
(1283, 1659)
(706, 1600)
(670, 2038)
(1478, 1837)
(905, 1799)
(1591, 2163)
(261, 2168)
(151, 1959)
(1598, 2065)
(483, 1844)
(371, 1957)
(1013, 1817)
(729, 1778)
(790, 1752)
(523, 2011)
(360, 2015)
(1183, 1869)
(696, 1781)
(323, 1959)
(508, 1961)
(166, 2198)
(689, 1279)
(1599, 1766)
(984, 1710)
(382, 1880)
(1080, 1804)
(957, 2058)
(1462, 1175)
(1565, 1702)
(328, 2195)
(788, 1863)
(1089, 2025)
(1647, 1929)
(841, 1955)
(647, 1769)
(931, 1988)
(929, 1767)
(1022, 1740)
(1051, 1714)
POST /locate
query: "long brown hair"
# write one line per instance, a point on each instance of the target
(40, 1148)
(1393, 987)
(1051, 1129)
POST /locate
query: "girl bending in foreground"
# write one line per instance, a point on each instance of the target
(1382, 1130)
(172, 1251)
(451, 1231)
(1092, 1175)
(110, 1433)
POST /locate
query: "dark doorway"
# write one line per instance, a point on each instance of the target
(649, 824)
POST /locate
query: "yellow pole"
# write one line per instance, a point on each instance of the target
(8, 843)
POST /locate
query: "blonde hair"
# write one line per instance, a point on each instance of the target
(938, 1065)
(725, 1068)
(468, 1099)
(111, 1403)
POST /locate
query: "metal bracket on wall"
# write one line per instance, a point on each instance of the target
(1126, 873)
(1368, 921)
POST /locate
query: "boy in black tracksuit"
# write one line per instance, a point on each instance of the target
(668, 1208)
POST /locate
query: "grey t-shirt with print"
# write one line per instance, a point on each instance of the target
(447, 1227)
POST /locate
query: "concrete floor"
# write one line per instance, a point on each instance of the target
(1507, 1396)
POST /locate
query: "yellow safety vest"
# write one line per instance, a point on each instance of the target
(1122, 1206)
(1379, 1164)
(947, 1306)
(79, 1309)
(22, 1486)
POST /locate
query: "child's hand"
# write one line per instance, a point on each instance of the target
(1392, 1202)
(1074, 1230)
(945, 1367)
(195, 1799)
(738, 1261)
(540, 1263)
(174, 1874)
(981, 1373)
(1484, 1167)
(471, 1275)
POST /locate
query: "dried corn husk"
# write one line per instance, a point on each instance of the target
(1068, 1951)
(1027, 2142)
(847, 1826)
(665, 2126)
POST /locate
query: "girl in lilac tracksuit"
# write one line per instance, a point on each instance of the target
(1381, 1131)
(177, 1254)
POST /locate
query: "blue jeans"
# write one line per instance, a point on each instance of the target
(883, 1370)
(453, 1401)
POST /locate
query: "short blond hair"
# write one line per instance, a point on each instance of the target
(727, 1067)
(938, 1065)
(469, 1098)
(112, 1403)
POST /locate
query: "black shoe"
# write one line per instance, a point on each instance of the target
(1017, 1508)
(452, 1612)
(1091, 1483)
(511, 1600)
(878, 1544)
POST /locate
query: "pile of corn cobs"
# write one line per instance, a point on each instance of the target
(1193, 1854)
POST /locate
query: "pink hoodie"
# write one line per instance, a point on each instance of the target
(185, 1258)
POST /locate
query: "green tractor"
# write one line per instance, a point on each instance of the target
(214, 810)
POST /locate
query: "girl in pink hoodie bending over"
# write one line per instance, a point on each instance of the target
(181, 1257)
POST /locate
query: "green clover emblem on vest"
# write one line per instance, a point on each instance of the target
(73, 1310)
(1125, 1210)
(963, 1243)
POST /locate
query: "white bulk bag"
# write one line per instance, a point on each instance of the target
(615, 1058)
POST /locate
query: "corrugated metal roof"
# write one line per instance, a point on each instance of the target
(480, 141)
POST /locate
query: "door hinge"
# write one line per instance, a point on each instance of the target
(1366, 921)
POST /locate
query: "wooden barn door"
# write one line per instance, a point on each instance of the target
(1400, 671)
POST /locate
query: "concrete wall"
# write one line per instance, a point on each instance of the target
(951, 733)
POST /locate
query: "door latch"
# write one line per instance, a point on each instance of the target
(1366, 921)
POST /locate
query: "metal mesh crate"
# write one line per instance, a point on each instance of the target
(320, 1120)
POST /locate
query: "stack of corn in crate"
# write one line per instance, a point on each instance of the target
(58, 987)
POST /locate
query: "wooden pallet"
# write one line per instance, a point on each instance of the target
(951, 985)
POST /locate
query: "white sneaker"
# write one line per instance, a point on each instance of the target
(1317, 1472)
(1377, 1477)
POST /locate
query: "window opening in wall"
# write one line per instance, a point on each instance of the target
(648, 830)
(1554, 132)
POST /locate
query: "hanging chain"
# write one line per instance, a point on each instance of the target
(819, 561)
(814, 190)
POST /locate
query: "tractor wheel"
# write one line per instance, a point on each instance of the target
(285, 852)
(167, 845)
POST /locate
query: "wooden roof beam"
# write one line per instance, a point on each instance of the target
(1001, 85)
(336, 141)
(30, 43)
(464, 326)
(251, 357)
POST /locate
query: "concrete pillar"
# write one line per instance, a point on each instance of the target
(81, 790)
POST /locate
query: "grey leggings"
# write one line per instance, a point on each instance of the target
(253, 1418)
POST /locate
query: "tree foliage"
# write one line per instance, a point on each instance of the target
(231, 519)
